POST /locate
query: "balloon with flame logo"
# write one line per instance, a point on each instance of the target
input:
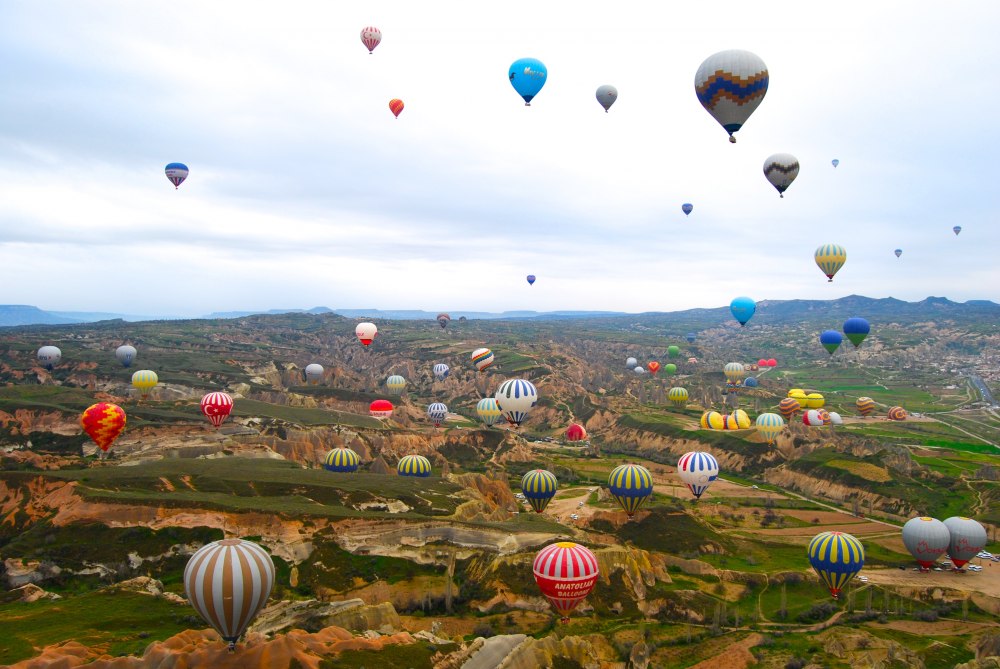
(217, 406)
(565, 573)
(103, 422)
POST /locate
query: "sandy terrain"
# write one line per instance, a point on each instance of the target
(986, 582)
(720, 488)
(939, 628)
(562, 505)
(826, 517)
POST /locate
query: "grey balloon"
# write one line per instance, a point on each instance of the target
(49, 356)
(927, 539)
(781, 170)
(125, 355)
(967, 538)
(314, 373)
(631, 363)
(607, 95)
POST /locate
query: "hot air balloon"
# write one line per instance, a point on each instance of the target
(482, 358)
(730, 85)
(314, 373)
(771, 362)
(144, 380)
(576, 432)
(716, 421)
(103, 422)
(631, 363)
(488, 411)
(837, 557)
(835, 162)
(342, 461)
(957, 229)
(443, 320)
(606, 95)
(743, 309)
(691, 336)
(830, 258)
(216, 406)
(653, 367)
(565, 573)
(539, 487)
(395, 384)
(692, 360)
(531, 279)
(228, 583)
(814, 401)
(896, 413)
(750, 382)
(781, 170)
(825, 416)
(687, 208)
(437, 412)
(516, 398)
(176, 173)
(856, 330)
(835, 418)
(865, 406)
(788, 407)
(769, 426)
(678, 396)
(527, 76)
(125, 355)
(812, 418)
(734, 372)
(673, 351)
(966, 539)
(898, 252)
(49, 356)
(739, 420)
(670, 368)
(414, 465)
(762, 362)
(639, 370)
(396, 107)
(630, 485)
(831, 340)
(380, 408)
(927, 539)
(704, 420)
(441, 371)
(366, 332)
(697, 470)
(370, 37)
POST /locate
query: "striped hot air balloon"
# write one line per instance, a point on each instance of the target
(488, 411)
(789, 407)
(125, 355)
(396, 107)
(780, 171)
(176, 173)
(697, 470)
(516, 398)
(704, 421)
(371, 37)
(414, 465)
(678, 396)
(630, 485)
(896, 413)
(830, 258)
(395, 384)
(837, 557)
(144, 380)
(441, 371)
(341, 460)
(437, 412)
(380, 408)
(565, 573)
(539, 487)
(927, 539)
(734, 372)
(482, 358)
(716, 421)
(770, 425)
(739, 420)
(730, 85)
(576, 432)
(865, 405)
(812, 418)
(103, 422)
(228, 583)
(216, 406)
(825, 416)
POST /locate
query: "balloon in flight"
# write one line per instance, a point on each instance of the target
(630, 485)
(527, 76)
(769, 426)
(957, 229)
(743, 309)
(835, 162)
(781, 170)
(144, 380)
(441, 371)
(414, 465)
(366, 333)
(443, 320)
(687, 208)
(698, 470)
(607, 95)
(176, 173)
(830, 258)
(437, 412)
(856, 330)
(531, 279)
(539, 487)
(653, 366)
(488, 411)
(49, 356)
(516, 398)
(482, 358)
(631, 363)
(831, 340)
(730, 85)
(670, 368)
(396, 107)
(898, 252)
(837, 557)
(678, 396)
(673, 351)
(576, 432)
(380, 409)
(216, 407)
(103, 422)
(395, 384)
(125, 355)
(341, 461)
(314, 373)
(371, 37)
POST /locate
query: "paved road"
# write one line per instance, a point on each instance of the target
(984, 392)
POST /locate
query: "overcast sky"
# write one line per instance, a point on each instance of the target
(305, 191)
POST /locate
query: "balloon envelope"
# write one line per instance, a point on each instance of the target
(516, 398)
(697, 470)
(437, 412)
(927, 539)
(865, 405)
(396, 107)
(488, 410)
(527, 76)
(576, 432)
(49, 356)
(341, 460)
(380, 408)
(366, 332)
(482, 358)
(216, 407)
(414, 465)
(835, 162)
(830, 258)
(957, 229)
(607, 95)
(856, 330)
(898, 252)
(673, 351)
(531, 279)
(144, 380)
(837, 557)
(395, 384)
(831, 340)
(443, 320)
(565, 573)
(743, 309)
(769, 426)
(314, 373)
(125, 355)
(176, 173)
(780, 171)
(441, 371)
(103, 422)
(687, 208)
(678, 396)
(653, 366)
(371, 37)
(788, 407)
(691, 336)
(730, 85)
(630, 485)
(966, 539)
(631, 363)
(539, 487)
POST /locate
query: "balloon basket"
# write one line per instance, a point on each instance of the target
(564, 619)
(232, 646)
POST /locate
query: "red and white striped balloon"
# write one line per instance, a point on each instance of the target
(216, 407)
(370, 37)
(228, 583)
(565, 573)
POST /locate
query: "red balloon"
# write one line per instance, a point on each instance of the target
(575, 432)
(565, 573)
(380, 408)
(216, 407)
(771, 362)
(396, 106)
(762, 363)
(103, 422)
(653, 367)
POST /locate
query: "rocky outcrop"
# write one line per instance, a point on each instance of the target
(32, 593)
(860, 649)
(312, 615)
(823, 489)
(519, 651)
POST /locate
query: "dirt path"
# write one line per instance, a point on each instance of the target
(736, 656)
(562, 506)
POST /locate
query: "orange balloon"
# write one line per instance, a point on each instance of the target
(396, 106)
(653, 367)
(103, 422)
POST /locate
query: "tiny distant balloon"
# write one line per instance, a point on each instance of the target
(631, 363)
(830, 258)
(730, 85)
(396, 106)
(687, 208)
(743, 309)
(691, 336)
(781, 170)
(678, 396)
(176, 173)
(673, 351)
(527, 76)
(957, 229)
(125, 355)
(441, 371)
(443, 320)
(835, 162)
(898, 252)
(531, 279)
(653, 366)
(370, 37)
(607, 95)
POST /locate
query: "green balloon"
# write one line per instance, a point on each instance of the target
(670, 368)
(673, 351)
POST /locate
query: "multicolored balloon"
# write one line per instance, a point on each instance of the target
(366, 333)
(216, 407)
(482, 358)
(395, 384)
(781, 170)
(865, 405)
(371, 37)
(927, 539)
(380, 409)
(516, 398)
(414, 465)
(630, 485)
(770, 425)
(228, 582)
(531, 279)
(837, 557)
(789, 407)
(396, 107)
(743, 309)
(565, 573)
(830, 258)
(488, 411)
(576, 432)
(831, 340)
(607, 95)
(144, 380)
(443, 320)
(678, 396)
(342, 460)
(698, 470)
(527, 76)
(857, 330)
(176, 173)
(103, 422)
(437, 412)
(730, 85)
(49, 356)
(125, 355)
(813, 418)
(653, 366)
(896, 413)
(539, 487)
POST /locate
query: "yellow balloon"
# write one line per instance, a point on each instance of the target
(145, 380)
(739, 420)
(815, 400)
(830, 258)
(716, 421)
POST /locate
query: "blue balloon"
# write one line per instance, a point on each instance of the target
(531, 279)
(831, 340)
(691, 337)
(743, 309)
(856, 330)
(527, 76)
(750, 382)
(687, 208)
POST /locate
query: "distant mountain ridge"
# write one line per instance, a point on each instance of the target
(883, 309)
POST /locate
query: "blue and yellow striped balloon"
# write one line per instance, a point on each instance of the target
(769, 425)
(630, 485)
(830, 258)
(539, 487)
(341, 460)
(837, 558)
(414, 465)
(488, 411)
